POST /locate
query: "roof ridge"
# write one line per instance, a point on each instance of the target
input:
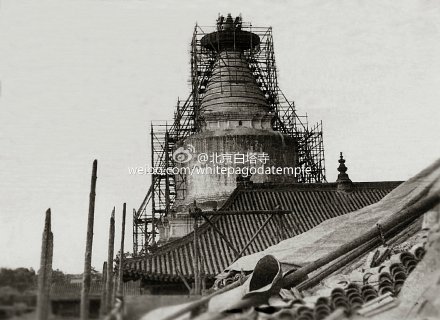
(317, 186)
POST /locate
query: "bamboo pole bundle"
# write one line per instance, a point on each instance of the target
(103, 306)
(85, 291)
(45, 272)
(111, 247)
(113, 295)
(352, 256)
(410, 213)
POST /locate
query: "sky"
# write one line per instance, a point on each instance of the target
(83, 79)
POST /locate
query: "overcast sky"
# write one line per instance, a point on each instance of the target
(83, 79)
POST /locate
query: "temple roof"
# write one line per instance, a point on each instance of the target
(308, 206)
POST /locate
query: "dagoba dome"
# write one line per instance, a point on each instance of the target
(233, 96)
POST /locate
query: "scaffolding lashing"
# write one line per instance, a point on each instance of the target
(166, 187)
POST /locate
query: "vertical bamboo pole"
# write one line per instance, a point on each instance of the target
(85, 291)
(135, 235)
(153, 202)
(103, 307)
(49, 271)
(45, 272)
(113, 295)
(201, 270)
(167, 180)
(111, 247)
(196, 258)
(120, 292)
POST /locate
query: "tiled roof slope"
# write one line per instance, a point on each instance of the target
(310, 205)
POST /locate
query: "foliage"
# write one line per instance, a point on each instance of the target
(58, 277)
(96, 275)
(21, 279)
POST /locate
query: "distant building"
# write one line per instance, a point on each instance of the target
(75, 278)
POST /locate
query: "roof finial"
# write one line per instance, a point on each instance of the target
(342, 168)
(344, 182)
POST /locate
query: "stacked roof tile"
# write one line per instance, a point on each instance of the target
(375, 292)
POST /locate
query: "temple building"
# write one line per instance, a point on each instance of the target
(242, 170)
(253, 218)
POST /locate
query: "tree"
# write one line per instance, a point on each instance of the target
(58, 277)
(21, 278)
(96, 275)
